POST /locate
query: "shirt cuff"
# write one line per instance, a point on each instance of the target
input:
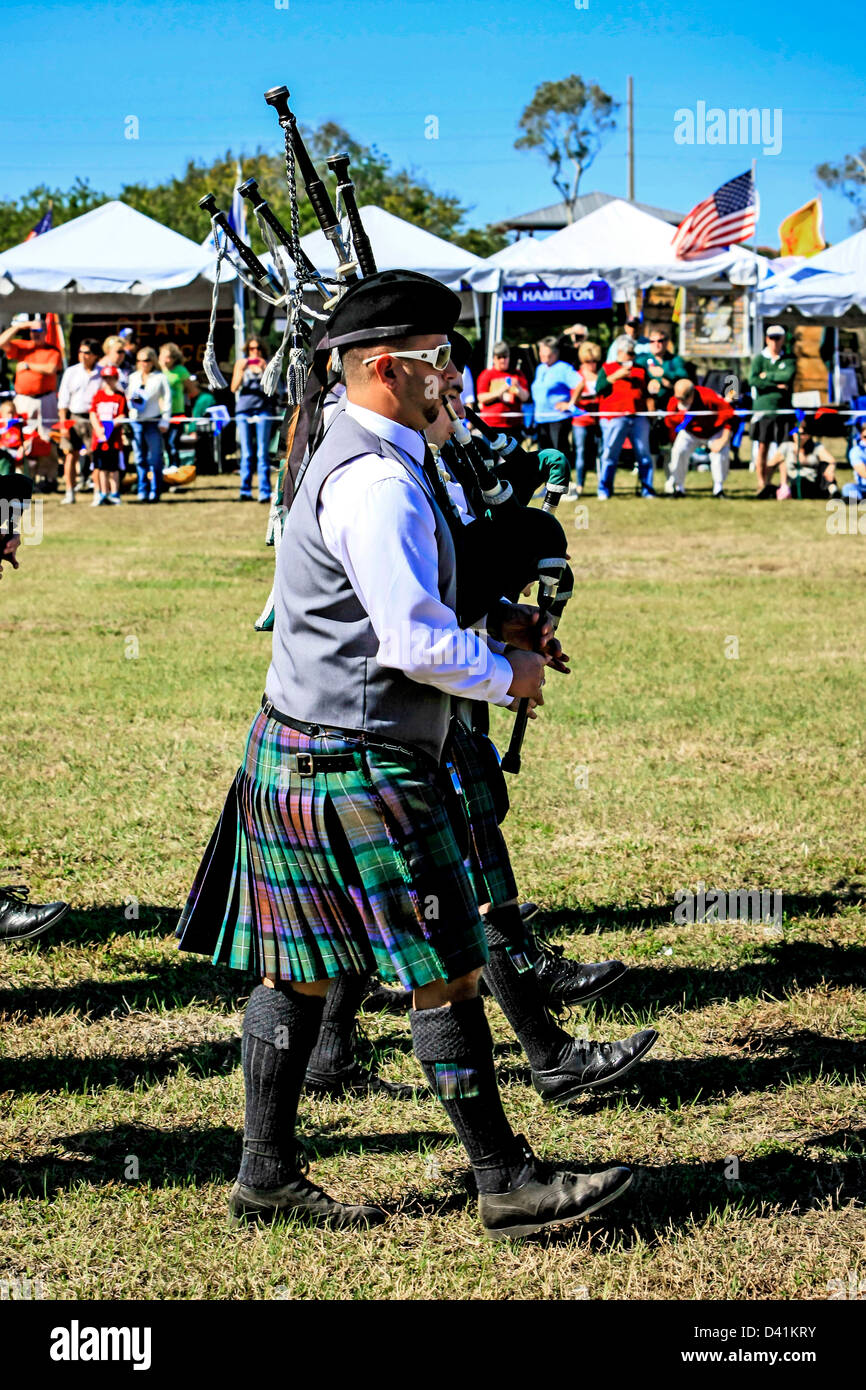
(501, 678)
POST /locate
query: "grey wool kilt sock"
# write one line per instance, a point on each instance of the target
(334, 1050)
(280, 1028)
(514, 985)
(455, 1049)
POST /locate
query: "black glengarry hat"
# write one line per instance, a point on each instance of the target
(391, 304)
(461, 350)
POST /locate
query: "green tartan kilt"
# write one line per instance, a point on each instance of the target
(349, 871)
(476, 769)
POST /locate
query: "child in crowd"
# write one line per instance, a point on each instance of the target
(855, 491)
(107, 407)
(806, 469)
(11, 437)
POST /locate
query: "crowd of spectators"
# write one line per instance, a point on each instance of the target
(124, 408)
(640, 403)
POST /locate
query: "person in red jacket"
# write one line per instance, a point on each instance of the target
(713, 426)
(623, 405)
(501, 393)
(107, 407)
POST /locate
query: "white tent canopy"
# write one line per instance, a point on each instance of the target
(401, 245)
(824, 286)
(112, 258)
(624, 246)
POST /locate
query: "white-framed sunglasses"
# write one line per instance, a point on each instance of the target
(439, 356)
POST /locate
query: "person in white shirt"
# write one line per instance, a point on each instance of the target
(77, 388)
(345, 859)
(149, 396)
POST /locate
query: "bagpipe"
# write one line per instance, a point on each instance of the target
(508, 544)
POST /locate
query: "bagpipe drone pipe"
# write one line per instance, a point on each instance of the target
(549, 468)
(509, 544)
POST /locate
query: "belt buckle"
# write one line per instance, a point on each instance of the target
(305, 764)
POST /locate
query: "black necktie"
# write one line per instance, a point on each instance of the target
(440, 491)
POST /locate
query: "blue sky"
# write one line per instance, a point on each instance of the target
(193, 72)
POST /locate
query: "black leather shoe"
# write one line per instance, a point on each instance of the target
(355, 1080)
(528, 911)
(566, 981)
(298, 1198)
(545, 1196)
(20, 920)
(587, 1064)
(381, 999)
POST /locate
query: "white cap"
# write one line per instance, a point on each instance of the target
(20, 318)
(775, 331)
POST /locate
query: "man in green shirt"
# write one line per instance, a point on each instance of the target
(177, 376)
(202, 440)
(662, 363)
(666, 367)
(771, 378)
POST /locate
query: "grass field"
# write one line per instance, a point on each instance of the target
(712, 731)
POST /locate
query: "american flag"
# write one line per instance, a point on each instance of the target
(729, 215)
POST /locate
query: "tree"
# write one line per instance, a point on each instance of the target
(19, 217)
(568, 121)
(174, 201)
(849, 178)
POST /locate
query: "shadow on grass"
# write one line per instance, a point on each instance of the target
(635, 917)
(70, 1073)
(169, 1157)
(794, 965)
(174, 984)
(662, 1198)
(87, 926)
(671, 1083)
(646, 990)
(679, 1196)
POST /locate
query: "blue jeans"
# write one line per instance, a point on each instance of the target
(172, 445)
(856, 491)
(614, 433)
(254, 437)
(585, 446)
(147, 451)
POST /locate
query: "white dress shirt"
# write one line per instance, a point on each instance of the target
(376, 519)
(78, 386)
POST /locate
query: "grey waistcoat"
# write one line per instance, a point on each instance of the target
(323, 665)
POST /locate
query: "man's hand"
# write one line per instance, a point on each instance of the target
(530, 712)
(523, 628)
(527, 675)
(563, 406)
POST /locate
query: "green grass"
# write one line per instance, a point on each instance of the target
(659, 763)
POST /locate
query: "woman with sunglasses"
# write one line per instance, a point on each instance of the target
(254, 411)
(149, 396)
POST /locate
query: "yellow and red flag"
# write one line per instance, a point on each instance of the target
(802, 232)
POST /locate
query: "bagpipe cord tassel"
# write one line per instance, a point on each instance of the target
(296, 376)
(210, 366)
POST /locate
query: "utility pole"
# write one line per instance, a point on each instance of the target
(630, 100)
